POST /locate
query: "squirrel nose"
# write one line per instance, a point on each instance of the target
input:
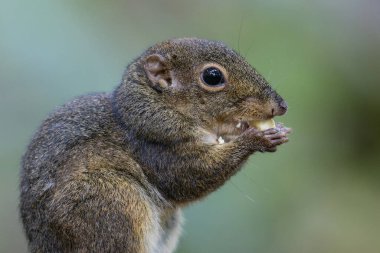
(284, 105)
(281, 109)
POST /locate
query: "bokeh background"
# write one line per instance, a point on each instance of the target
(318, 193)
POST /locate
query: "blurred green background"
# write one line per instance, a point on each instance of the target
(318, 193)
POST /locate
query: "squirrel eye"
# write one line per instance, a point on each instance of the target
(213, 77)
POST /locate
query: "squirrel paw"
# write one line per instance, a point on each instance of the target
(267, 140)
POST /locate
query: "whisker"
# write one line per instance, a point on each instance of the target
(240, 28)
(251, 200)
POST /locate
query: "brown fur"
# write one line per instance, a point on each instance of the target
(110, 172)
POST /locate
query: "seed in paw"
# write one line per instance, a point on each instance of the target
(263, 124)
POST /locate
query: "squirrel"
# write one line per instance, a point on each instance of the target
(110, 172)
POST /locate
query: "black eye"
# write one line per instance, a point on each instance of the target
(213, 76)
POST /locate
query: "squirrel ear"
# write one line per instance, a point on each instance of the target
(158, 72)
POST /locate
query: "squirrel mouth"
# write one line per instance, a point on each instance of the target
(227, 131)
(224, 132)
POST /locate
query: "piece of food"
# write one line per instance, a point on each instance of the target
(263, 124)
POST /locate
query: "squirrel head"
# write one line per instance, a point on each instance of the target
(206, 81)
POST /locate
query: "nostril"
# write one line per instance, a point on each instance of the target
(284, 105)
(280, 109)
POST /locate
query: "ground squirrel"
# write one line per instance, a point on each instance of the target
(111, 172)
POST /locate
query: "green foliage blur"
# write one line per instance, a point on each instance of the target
(318, 193)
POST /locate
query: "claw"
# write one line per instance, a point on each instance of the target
(271, 131)
(279, 141)
(287, 130)
(277, 135)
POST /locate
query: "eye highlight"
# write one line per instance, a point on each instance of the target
(213, 77)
